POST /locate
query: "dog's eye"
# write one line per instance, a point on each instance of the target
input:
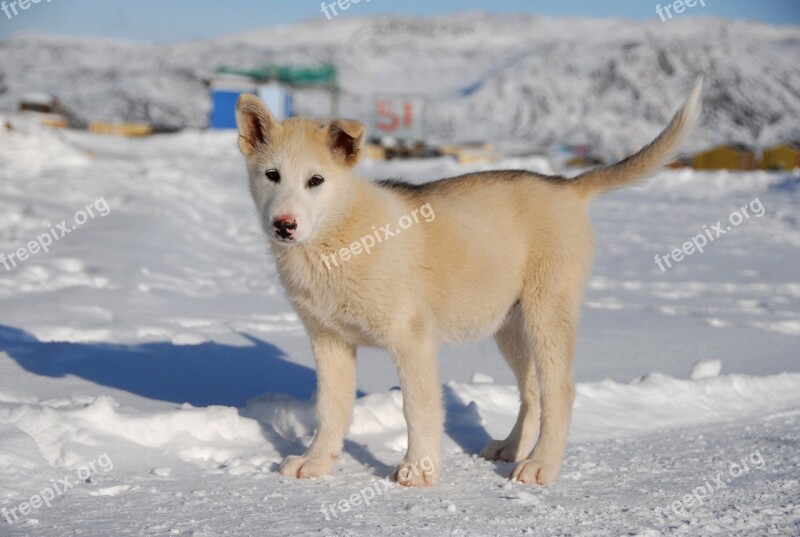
(274, 176)
(315, 181)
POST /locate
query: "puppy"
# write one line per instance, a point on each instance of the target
(503, 253)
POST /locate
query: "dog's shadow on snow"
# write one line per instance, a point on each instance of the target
(201, 375)
(208, 374)
(464, 425)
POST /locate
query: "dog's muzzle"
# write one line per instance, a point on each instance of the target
(285, 227)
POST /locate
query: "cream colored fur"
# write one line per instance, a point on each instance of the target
(507, 255)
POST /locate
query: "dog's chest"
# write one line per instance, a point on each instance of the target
(332, 303)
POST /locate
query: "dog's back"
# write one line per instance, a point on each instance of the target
(491, 230)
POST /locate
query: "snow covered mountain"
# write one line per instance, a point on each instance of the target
(511, 78)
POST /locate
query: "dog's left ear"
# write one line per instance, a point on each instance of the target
(346, 138)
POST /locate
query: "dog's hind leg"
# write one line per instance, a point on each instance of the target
(514, 348)
(551, 317)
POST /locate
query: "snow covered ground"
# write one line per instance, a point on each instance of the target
(152, 375)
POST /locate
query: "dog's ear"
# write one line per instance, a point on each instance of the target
(346, 138)
(255, 123)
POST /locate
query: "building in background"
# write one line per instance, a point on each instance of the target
(45, 109)
(398, 117)
(275, 84)
(225, 91)
(115, 128)
(781, 157)
(726, 157)
(580, 156)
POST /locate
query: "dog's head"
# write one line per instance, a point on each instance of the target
(299, 169)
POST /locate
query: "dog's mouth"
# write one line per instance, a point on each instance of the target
(283, 239)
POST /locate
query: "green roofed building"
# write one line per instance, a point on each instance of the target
(298, 77)
(275, 81)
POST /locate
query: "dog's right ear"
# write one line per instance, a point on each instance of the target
(255, 123)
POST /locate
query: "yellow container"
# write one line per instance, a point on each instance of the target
(129, 130)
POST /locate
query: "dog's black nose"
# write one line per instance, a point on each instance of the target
(284, 226)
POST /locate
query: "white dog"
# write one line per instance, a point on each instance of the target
(507, 254)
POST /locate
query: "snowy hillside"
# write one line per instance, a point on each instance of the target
(150, 360)
(528, 80)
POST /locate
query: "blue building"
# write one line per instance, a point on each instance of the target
(225, 92)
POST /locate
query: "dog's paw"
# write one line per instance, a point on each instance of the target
(503, 450)
(411, 474)
(303, 467)
(534, 471)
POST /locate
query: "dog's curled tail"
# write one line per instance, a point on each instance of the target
(651, 158)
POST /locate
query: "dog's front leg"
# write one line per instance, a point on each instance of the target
(418, 369)
(336, 387)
